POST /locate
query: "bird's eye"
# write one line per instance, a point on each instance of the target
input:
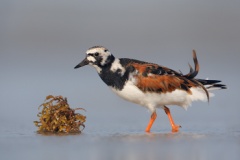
(96, 54)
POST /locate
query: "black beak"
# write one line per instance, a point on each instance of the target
(83, 63)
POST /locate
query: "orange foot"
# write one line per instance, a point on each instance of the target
(175, 128)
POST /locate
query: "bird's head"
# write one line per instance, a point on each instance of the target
(98, 57)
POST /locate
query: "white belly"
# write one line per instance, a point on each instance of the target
(153, 100)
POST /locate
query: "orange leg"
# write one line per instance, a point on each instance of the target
(152, 119)
(175, 127)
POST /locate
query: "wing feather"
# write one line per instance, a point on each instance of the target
(167, 81)
(155, 78)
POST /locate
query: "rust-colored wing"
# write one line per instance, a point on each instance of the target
(155, 78)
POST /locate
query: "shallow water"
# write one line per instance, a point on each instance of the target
(126, 143)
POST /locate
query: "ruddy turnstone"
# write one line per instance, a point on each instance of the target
(150, 85)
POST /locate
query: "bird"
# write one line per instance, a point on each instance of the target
(148, 84)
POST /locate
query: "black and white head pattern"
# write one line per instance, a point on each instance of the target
(98, 57)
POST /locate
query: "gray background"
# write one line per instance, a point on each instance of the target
(42, 40)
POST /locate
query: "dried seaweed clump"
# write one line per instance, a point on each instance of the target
(57, 117)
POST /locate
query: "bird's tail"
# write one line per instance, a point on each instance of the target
(205, 84)
(212, 84)
(208, 84)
